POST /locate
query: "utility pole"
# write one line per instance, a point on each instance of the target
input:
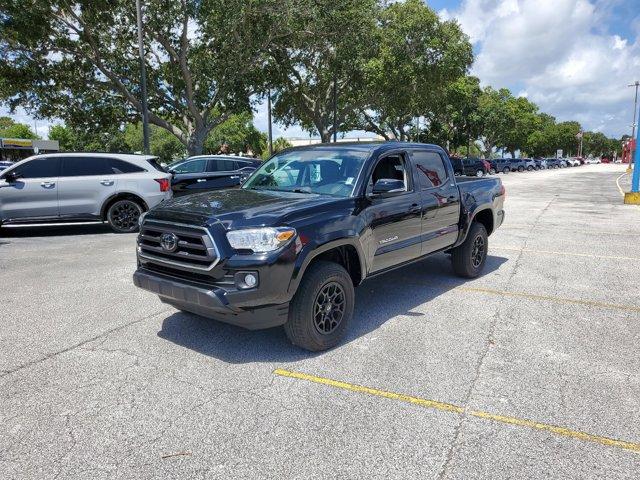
(335, 108)
(270, 124)
(143, 81)
(635, 84)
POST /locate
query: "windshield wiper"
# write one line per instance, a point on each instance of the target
(299, 190)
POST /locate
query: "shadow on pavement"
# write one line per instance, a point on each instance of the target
(54, 230)
(377, 300)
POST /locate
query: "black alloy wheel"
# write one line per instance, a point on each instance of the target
(478, 251)
(328, 309)
(123, 216)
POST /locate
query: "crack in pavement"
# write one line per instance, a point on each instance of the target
(8, 372)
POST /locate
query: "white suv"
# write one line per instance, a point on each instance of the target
(82, 187)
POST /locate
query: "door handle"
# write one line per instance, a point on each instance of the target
(235, 176)
(48, 184)
(414, 208)
(452, 198)
(200, 180)
(107, 183)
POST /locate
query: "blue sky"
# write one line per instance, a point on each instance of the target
(574, 58)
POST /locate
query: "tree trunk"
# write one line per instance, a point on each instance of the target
(195, 146)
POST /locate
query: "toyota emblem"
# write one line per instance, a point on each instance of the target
(169, 242)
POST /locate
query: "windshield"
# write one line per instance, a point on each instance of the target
(326, 171)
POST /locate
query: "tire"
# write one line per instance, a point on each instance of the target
(506, 170)
(492, 171)
(479, 173)
(123, 216)
(521, 169)
(467, 262)
(307, 321)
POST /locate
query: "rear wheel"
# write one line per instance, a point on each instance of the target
(322, 308)
(521, 169)
(530, 168)
(479, 173)
(470, 257)
(492, 171)
(506, 170)
(123, 216)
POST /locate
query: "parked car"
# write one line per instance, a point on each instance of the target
(553, 162)
(472, 167)
(4, 165)
(73, 187)
(593, 161)
(210, 172)
(493, 166)
(541, 164)
(518, 164)
(502, 164)
(308, 226)
(573, 162)
(530, 164)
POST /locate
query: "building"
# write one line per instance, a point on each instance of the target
(14, 149)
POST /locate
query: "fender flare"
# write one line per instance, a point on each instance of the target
(471, 217)
(313, 251)
(124, 194)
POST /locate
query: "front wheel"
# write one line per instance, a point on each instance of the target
(470, 257)
(506, 170)
(521, 169)
(322, 307)
(479, 173)
(123, 216)
(492, 171)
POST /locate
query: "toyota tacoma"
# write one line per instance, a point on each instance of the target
(307, 227)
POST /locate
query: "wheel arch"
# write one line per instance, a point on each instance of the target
(121, 196)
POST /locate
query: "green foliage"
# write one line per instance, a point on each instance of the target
(71, 139)
(161, 143)
(417, 57)
(239, 132)
(493, 117)
(11, 129)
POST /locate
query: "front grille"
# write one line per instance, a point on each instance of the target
(226, 282)
(195, 248)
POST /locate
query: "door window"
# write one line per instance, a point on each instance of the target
(431, 169)
(84, 166)
(392, 167)
(192, 166)
(39, 168)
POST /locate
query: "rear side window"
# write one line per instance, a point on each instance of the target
(39, 168)
(84, 166)
(431, 169)
(120, 166)
(154, 163)
(221, 165)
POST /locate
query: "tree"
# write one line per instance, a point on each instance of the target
(492, 113)
(161, 143)
(521, 120)
(239, 132)
(11, 129)
(332, 44)
(111, 140)
(596, 144)
(418, 56)
(78, 60)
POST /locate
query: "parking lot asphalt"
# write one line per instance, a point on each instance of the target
(530, 371)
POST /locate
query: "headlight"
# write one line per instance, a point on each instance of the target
(141, 218)
(260, 239)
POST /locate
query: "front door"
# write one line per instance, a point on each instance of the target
(395, 218)
(34, 192)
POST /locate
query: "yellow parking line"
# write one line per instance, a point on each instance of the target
(615, 306)
(570, 254)
(433, 404)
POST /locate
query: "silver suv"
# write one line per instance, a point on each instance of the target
(68, 187)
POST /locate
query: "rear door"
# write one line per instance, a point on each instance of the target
(190, 176)
(223, 173)
(395, 220)
(440, 200)
(35, 192)
(85, 183)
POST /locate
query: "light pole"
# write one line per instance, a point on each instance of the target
(270, 124)
(335, 108)
(635, 84)
(143, 82)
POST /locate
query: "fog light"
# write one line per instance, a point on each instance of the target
(250, 280)
(246, 280)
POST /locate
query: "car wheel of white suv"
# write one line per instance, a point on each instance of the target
(123, 216)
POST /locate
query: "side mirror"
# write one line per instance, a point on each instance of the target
(11, 177)
(386, 186)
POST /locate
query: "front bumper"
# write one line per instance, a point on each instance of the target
(210, 302)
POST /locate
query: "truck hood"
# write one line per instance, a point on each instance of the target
(238, 208)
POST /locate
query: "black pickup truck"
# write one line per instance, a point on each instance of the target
(308, 226)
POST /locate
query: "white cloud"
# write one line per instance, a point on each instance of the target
(559, 54)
